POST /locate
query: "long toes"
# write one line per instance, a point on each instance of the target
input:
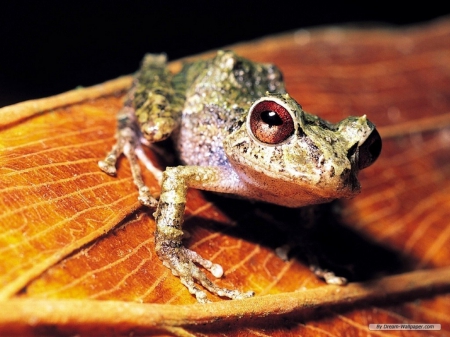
(222, 292)
(215, 269)
(213, 288)
(190, 274)
(241, 296)
(107, 167)
(146, 198)
(328, 276)
(200, 295)
(235, 294)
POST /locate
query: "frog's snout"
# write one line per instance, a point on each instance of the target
(368, 152)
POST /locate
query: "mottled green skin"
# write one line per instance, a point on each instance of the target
(206, 108)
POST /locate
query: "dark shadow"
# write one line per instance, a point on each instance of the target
(314, 234)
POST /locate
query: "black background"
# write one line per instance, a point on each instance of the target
(48, 47)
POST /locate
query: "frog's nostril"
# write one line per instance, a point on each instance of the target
(369, 151)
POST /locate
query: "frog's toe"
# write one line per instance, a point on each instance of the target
(215, 269)
(241, 296)
(200, 295)
(328, 276)
(146, 198)
(107, 167)
(181, 261)
(223, 292)
(188, 273)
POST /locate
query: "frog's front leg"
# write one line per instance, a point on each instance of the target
(169, 219)
(129, 143)
(150, 113)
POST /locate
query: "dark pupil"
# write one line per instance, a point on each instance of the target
(271, 118)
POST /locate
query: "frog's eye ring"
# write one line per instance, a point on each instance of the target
(270, 122)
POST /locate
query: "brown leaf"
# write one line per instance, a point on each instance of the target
(69, 231)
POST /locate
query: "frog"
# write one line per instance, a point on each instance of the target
(237, 132)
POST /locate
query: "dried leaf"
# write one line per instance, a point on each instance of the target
(69, 231)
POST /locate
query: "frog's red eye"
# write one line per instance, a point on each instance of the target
(270, 122)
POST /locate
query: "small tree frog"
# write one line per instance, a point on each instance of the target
(236, 131)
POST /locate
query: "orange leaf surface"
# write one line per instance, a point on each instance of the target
(77, 249)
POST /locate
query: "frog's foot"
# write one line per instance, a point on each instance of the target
(283, 252)
(328, 276)
(181, 261)
(129, 145)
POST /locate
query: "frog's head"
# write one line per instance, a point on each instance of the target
(293, 158)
